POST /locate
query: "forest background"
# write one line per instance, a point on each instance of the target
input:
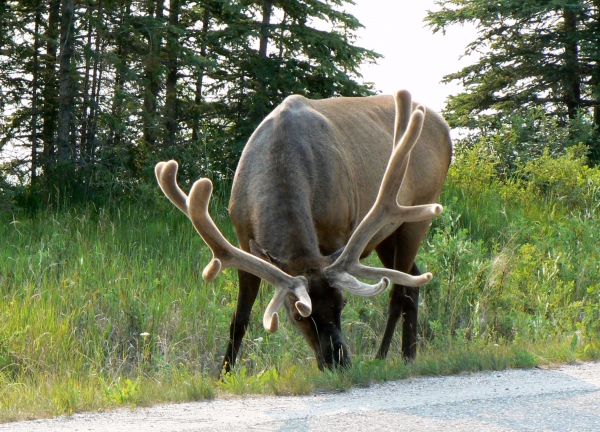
(101, 303)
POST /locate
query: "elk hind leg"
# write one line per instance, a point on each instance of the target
(398, 252)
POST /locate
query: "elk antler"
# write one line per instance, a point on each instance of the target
(386, 210)
(224, 253)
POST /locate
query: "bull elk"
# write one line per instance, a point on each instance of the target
(316, 190)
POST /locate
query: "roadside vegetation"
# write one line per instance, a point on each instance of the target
(106, 307)
(102, 304)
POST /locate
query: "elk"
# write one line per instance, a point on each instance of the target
(320, 185)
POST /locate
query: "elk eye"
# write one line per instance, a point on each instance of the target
(297, 317)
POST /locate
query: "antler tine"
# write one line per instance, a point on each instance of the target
(385, 210)
(166, 174)
(403, 102)
(398, 163)
(195, 206)
(271, 318)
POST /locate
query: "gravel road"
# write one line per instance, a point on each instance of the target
(566, 398)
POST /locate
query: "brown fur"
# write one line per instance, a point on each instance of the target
(306, 178)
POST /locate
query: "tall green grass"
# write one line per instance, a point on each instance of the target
(103, 307)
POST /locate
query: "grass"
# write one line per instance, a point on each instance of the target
(46, 396)
(105, 307)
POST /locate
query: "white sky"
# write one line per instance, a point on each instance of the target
(415, 58)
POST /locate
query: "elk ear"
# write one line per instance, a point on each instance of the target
(334, 256)
(260, 252)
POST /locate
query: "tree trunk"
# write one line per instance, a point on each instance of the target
(595, 84)
(91, 121)
(171, 104)
(152, 73)
(66, 102)
(95, 108)
(49, 91)
(264, 28)
(200, 80)
(572, 85)
(260, 108)
(34, 91)
(119, 90)
(87, 80)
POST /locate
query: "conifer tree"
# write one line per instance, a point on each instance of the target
(541, 54)
(94, 92)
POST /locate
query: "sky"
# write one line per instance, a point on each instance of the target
(415, 58)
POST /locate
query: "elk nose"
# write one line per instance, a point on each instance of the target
(341, 357)
(336, 354)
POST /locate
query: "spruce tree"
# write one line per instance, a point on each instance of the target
(541, 54)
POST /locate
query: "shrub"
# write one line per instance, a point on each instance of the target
(515, 257)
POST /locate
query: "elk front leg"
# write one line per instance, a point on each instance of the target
(248, 290)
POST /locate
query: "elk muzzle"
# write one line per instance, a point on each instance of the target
(333, 352)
